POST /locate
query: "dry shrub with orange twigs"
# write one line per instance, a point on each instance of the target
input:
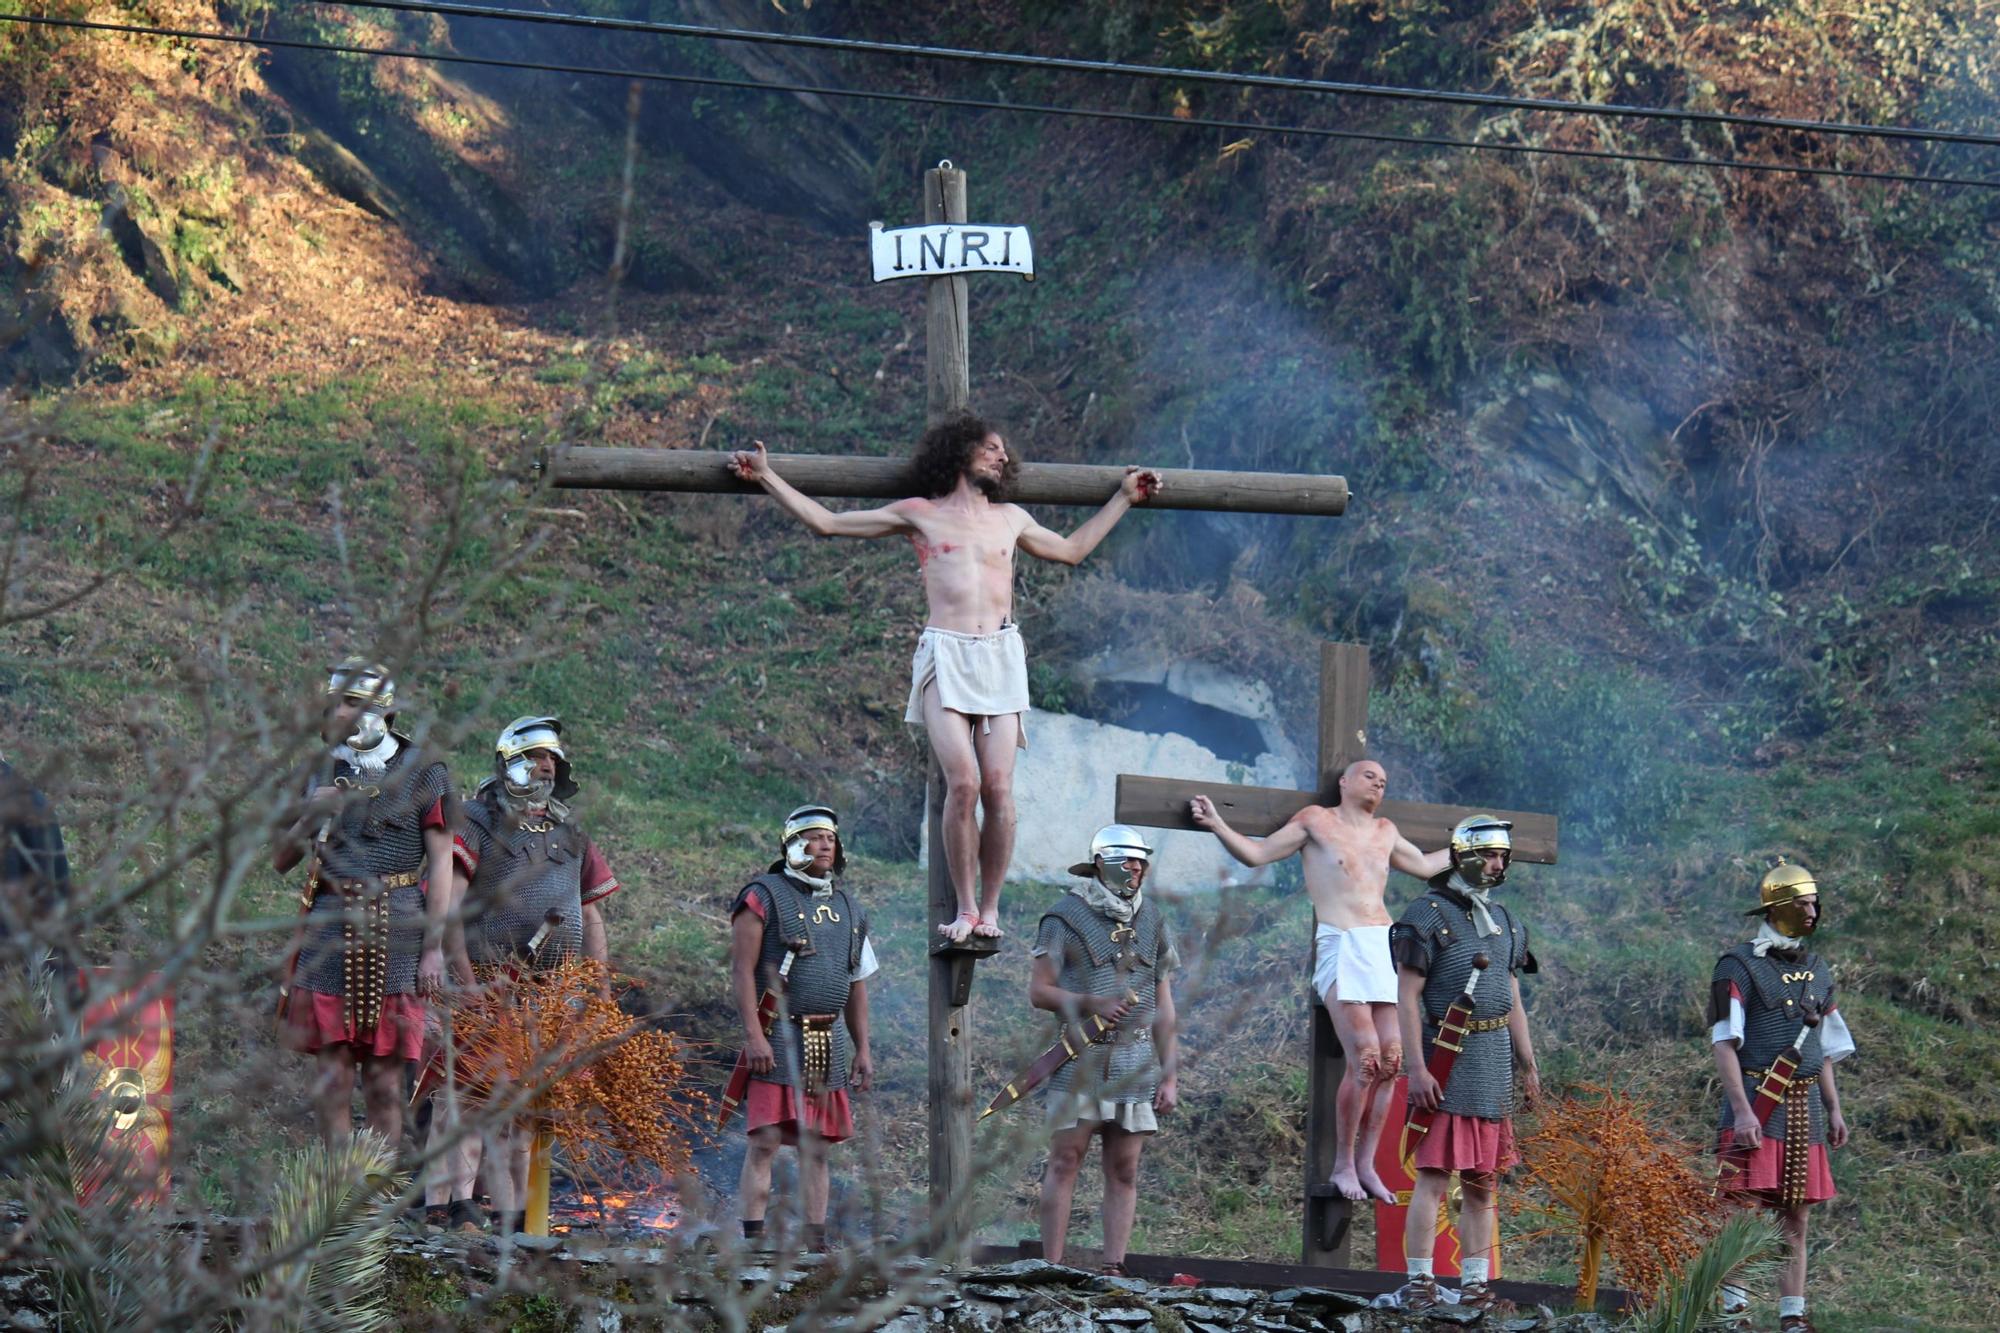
(607, 1084)
(1597, 1170)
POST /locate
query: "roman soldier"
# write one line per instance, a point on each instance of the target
(529, 886)
(800, 942)
(1459, 955)
(1104, 962)
(1777, 1035)
(370, 945)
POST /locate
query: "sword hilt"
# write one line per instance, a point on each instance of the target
(534, 944)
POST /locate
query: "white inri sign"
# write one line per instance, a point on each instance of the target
(945, 248)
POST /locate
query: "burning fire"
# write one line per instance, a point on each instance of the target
(615, 1211)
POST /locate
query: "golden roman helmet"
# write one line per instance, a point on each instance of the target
(1781, 892)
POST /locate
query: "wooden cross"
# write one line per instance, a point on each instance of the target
(947, 378)
(1258, 811)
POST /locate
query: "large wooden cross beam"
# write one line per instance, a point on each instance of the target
(597, 467)
(1257, 811)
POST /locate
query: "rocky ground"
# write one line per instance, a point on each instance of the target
(604, 1285)
(810, 1291)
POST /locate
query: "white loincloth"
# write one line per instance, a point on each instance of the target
(1355, 963)
(983, 676)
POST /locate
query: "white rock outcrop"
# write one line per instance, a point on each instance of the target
(1065, 786)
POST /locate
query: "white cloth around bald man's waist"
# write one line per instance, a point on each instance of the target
(1355, 962)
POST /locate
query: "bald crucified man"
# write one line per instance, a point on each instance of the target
(1347, 852)
(969, 679)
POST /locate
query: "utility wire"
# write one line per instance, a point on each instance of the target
(455, 8)
(1031, 108)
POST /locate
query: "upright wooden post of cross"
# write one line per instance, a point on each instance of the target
(1257, 811)
(948, 389)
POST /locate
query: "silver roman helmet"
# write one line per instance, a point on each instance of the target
(1112, 851)
(517, 772)
(1473, 835)
(807, 819)
(368, 684)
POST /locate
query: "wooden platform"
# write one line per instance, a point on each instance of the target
(1161, 1268)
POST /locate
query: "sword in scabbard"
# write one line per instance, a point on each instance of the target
(1777, 1080)
(767, 1014)
(1444, 1053)
(305, 910)
(1068, 1045)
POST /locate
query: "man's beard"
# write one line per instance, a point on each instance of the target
(990, 487)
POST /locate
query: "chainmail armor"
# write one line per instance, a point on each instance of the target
(528, 867)
(819, 980)
(379, 836)
(1096, 964)
(1482, 1078)
(1774, 1009)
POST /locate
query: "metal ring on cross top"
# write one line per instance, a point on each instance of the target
(944, 164)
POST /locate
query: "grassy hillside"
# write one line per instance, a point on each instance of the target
(1671, 513)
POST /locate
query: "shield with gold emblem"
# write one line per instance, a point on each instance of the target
(132, 1067)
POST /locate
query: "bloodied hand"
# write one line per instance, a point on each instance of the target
(752, 464)
(1142, 484)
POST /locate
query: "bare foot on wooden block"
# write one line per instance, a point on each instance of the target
(988, 927)
(959, 927)
(1371, 1181)
(1349, 1184)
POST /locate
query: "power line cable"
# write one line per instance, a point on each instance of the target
(1501, 101)
(1029, 108)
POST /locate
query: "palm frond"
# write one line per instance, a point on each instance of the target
(323, 1253)
(1748, 1248)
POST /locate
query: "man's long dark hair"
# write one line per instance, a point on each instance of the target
(945, 450)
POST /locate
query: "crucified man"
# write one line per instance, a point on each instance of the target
(969, 678)
(1347, 853)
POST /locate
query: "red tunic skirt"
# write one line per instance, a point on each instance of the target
(1760, 1171)
(828, 1115)
(1467, 1143)
(314, 1021)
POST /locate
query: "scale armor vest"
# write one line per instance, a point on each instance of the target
(527, 868)
(1482, 1078)
(1113, 1070)
(380, 836)
(818, 982)
(1776, 997)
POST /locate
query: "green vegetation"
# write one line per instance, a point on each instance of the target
(1672, 505)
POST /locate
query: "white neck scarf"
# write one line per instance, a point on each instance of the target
(1769, 937)
(822, 888)
(1103, 900)
(1482, 901)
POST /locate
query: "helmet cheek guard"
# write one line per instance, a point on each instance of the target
(359, 681)
(1112, 852)
(517, 771)
(1472, 839)
(808, 819)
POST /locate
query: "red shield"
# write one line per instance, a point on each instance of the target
(133, 1066)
